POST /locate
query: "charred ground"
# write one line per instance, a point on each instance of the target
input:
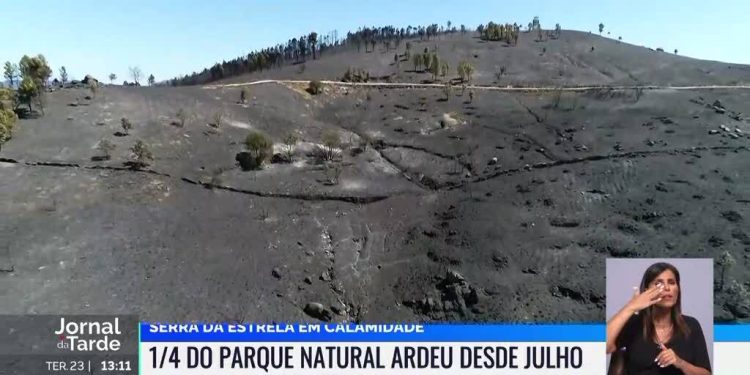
(500, 207)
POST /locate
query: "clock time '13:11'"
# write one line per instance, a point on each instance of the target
(116, 366)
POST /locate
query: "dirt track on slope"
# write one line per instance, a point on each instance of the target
(409, 85)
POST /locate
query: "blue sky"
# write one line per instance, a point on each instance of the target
(173, 37)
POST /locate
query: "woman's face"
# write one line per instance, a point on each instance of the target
(670, 289)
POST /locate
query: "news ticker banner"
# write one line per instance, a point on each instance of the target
(371, 349)
(119, 345)
(397, 349)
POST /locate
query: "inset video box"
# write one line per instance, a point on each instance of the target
(68, 344)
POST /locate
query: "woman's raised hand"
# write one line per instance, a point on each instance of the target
(643, 300)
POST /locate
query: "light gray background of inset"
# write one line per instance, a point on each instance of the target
(697, 288)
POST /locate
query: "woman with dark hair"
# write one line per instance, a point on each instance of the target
(651, 336)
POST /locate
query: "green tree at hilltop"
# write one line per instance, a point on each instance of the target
(36, 69)
(10, 72)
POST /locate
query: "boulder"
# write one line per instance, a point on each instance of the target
(429, 182)
(500, 260)
(562, 222)
(739, 309)
(447, 121)
(452, 277)
(280, 158)
(247, 161)
(276, 273)
(738, 301)
(325, 276)
(317, 311)
(378, 144)
(89, 80)
(732, 216)
(458, 291)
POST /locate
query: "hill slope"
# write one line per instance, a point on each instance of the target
(567, 61)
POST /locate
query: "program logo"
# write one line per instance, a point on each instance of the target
(89, 335)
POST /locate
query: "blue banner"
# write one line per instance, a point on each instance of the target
(732, 333)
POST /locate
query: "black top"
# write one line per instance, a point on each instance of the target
(639, 353)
